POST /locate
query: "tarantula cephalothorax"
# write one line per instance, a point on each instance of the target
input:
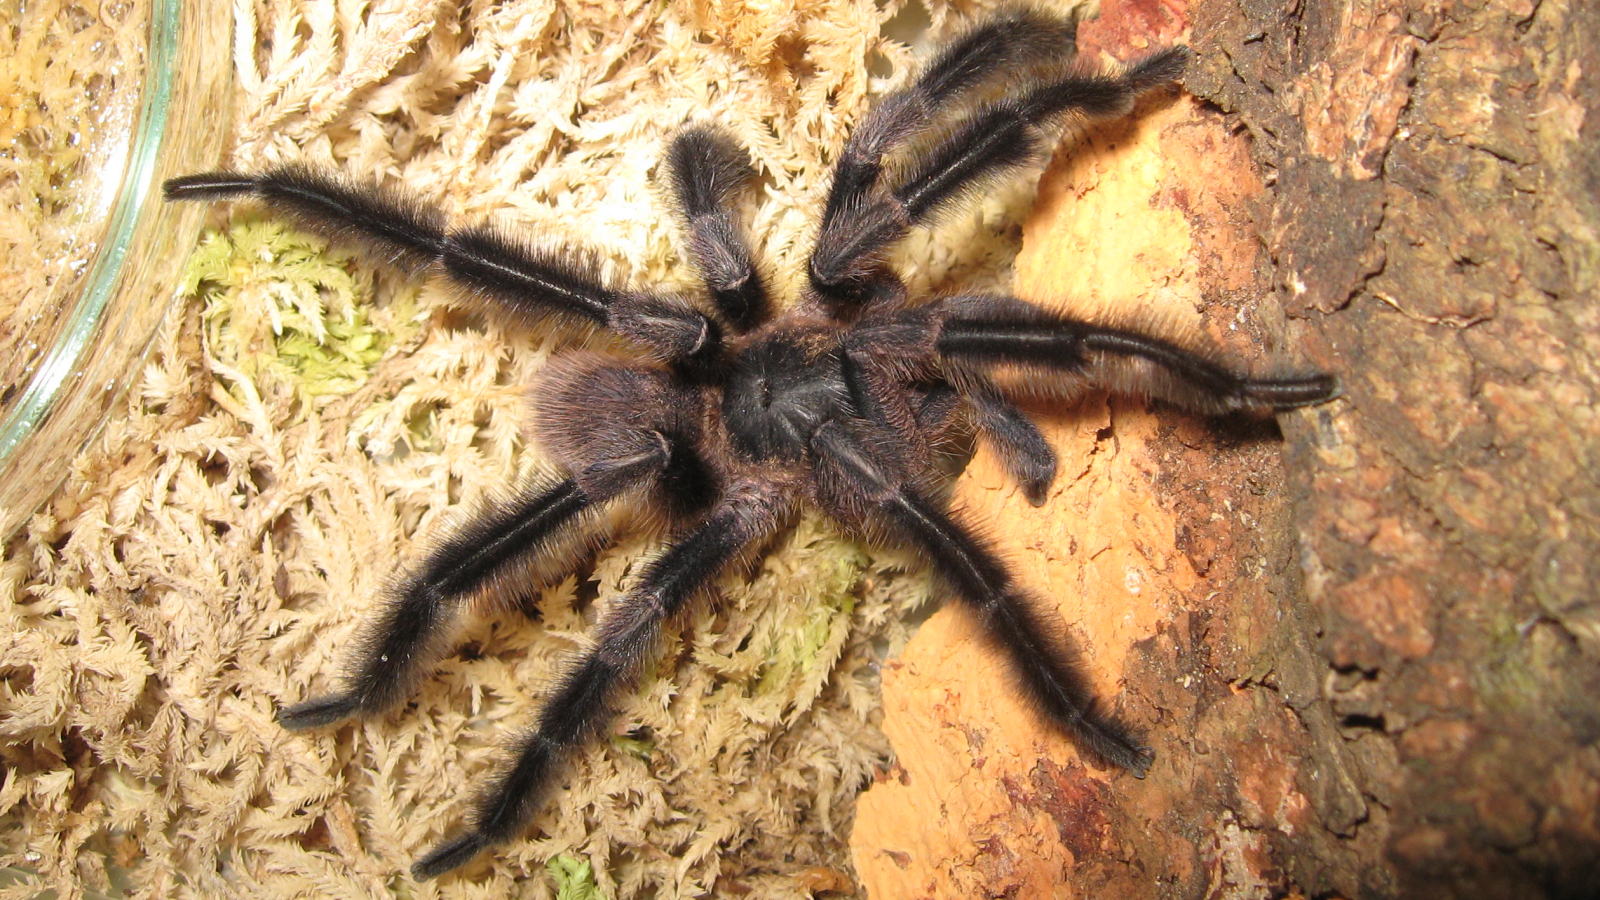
(738, 413)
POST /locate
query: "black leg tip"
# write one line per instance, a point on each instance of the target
(1133, 758)
(207, 186)
(452, 854)
(1283, 395)
(1159, 68)
(1139, 765)
(319, 712)
(1037, 491)
(1315, 390)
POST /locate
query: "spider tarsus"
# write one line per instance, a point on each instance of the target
(1115, 747)
(1160, 68)
(1284, 394)
(318, 712)
(1037, 491)
(396, 226)
(576, 707)
(1139, 764)
(1023, 450)
(451, 854)
(207, 186)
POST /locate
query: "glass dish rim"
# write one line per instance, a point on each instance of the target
(110, 259)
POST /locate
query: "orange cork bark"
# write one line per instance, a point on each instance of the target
(1143, 222)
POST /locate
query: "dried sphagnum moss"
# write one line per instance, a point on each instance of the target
(307, 419)
(286, 312)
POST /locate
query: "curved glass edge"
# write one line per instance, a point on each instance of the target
(131, 281)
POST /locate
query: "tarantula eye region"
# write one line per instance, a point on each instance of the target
(780, 390)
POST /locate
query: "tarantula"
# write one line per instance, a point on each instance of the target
(738, 411)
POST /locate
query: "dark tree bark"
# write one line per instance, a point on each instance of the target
(1434, 226)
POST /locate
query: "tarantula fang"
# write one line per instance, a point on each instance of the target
(740, 411)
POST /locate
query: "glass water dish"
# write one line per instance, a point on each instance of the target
(100, 101)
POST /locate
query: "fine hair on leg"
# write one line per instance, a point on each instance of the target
(707, 171)
(1012, 39)
(1022, 450)
(584, 697)
(395, 649)
(990, 332)
(491, 267)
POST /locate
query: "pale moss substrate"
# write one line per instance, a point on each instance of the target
(283, 310)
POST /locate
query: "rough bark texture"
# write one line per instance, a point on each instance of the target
(1434, 223)
(1366, 654)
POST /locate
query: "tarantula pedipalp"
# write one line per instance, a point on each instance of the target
(739, 413)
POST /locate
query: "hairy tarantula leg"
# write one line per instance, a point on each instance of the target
(926, 420)
(937, 408)
(529, 282)
(581, 703)
(1048, 667)
(1010, 39)
(707, 171)
(1122, 361)
(998, 138)
(1050, 670)
(1023, 451)
(393, 654)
